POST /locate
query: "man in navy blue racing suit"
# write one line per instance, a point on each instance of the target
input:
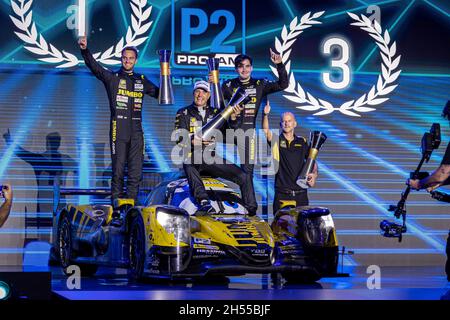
(257, 89)
(125, 90)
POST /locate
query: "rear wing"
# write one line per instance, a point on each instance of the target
(100, 192)
(58, 192)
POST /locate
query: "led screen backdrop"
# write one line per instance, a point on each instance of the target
(375, 99)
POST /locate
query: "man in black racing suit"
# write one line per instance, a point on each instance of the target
(257, 89)
(125, 91)
(191, 119)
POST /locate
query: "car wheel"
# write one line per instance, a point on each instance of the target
(137, 248)
(66, 252)
(65, 244)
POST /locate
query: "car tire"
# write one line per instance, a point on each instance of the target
(65, 250)
(136, 249)
(66, 253)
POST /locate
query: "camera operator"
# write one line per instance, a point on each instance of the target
(7, 193)
(441, 176)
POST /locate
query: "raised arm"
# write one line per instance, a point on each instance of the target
(98, 71)
(265, 122)
(283, 81)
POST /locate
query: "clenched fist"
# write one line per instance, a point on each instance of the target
(82, 41)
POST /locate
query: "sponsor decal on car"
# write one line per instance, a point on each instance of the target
(202, 240)
(203, 246)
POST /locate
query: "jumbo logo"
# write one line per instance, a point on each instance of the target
(131, 94)
(246, 234)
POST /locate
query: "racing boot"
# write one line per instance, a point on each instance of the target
(117, 220)
(206, 207)
(251, 211)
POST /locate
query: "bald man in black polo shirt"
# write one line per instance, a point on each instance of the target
(290, 151)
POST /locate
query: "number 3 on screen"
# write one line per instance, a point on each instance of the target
(341, 63)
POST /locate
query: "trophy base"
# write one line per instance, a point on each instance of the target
(165, 102)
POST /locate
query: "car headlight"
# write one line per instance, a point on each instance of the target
(176, 224)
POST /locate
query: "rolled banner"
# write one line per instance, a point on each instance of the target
(316, 140)
(216, 92)
(165, 80)
(207, 131)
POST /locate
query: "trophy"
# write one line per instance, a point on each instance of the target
(216, 91)
(207, 131)
(165, 90)
(316, 140)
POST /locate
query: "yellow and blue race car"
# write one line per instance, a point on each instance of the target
(167, 237)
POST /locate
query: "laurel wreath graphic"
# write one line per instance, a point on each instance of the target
(377, 93)
(65, 59)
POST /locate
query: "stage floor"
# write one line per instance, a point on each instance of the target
(397, 283)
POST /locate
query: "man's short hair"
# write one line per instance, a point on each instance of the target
(238, 60)
(287, 113)
(446, 111)
(132, 49)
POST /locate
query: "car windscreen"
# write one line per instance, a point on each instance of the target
(223, 201)
(226, 201)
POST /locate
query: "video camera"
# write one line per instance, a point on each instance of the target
(430, 141)
(392, 229)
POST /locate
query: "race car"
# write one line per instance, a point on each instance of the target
(168, 237)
